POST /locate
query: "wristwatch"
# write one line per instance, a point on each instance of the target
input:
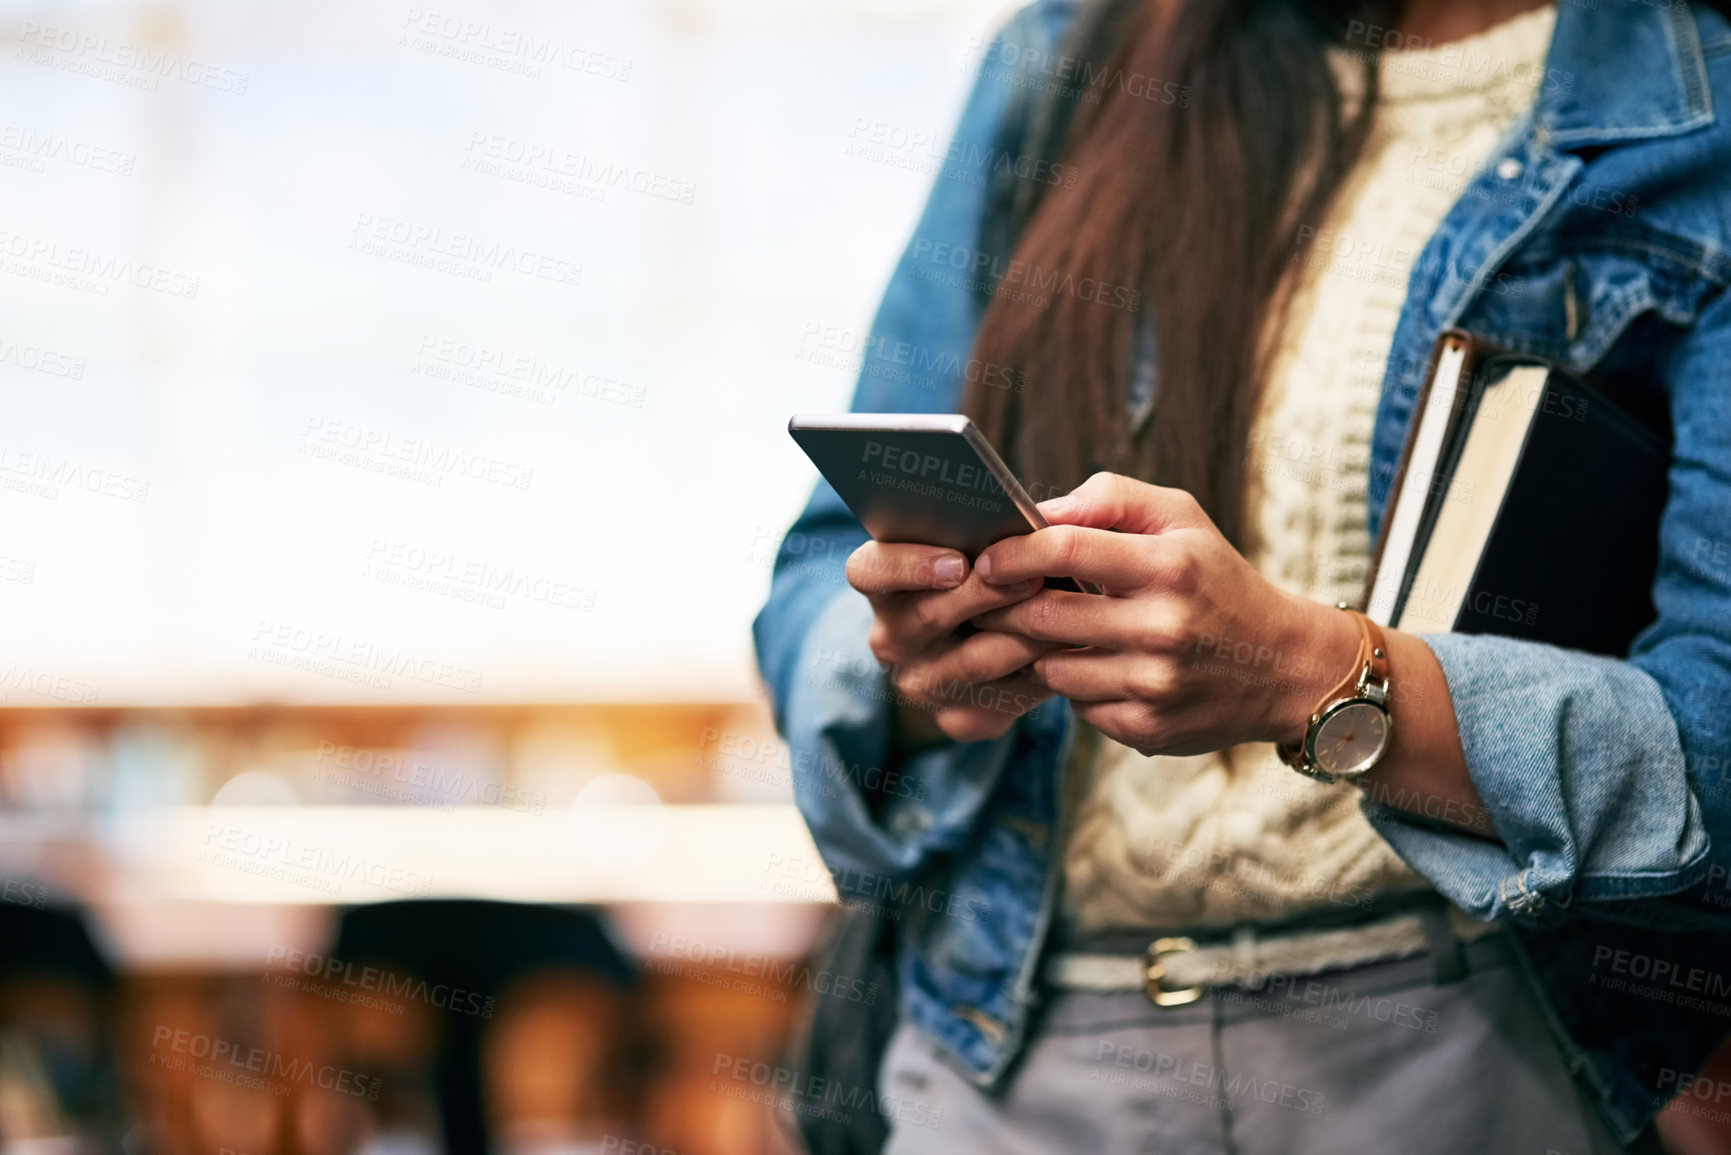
(1350, 728)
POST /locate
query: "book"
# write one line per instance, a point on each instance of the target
(1526, 504)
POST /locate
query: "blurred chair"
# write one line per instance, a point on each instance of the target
(534, 1050)
(59, 1087)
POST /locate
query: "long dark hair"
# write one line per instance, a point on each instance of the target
(1202, 135)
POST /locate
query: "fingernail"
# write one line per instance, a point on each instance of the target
(1057, 506)
(983, 566)
(949, 570)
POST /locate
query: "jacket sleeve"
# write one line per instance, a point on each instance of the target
(833, 702)
(1610, 780)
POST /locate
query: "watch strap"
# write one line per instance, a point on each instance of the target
(1369, 666)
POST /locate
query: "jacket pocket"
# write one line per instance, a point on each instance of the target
(1594, 302)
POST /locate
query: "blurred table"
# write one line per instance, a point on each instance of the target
(226, 885)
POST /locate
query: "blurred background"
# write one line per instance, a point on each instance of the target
(392, 457)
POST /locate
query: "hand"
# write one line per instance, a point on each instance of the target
(1191, 649)
(948, 686)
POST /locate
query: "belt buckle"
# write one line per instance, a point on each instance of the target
(1154, 986)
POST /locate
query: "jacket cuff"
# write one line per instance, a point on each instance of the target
(1580, 767)
(841, 713)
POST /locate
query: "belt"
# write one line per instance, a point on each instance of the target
(1175, 971)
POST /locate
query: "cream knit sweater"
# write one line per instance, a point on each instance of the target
(1234, 836)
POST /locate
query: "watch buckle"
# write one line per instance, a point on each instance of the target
(1376, 691)
(1155, 983)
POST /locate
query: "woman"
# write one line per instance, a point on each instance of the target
(1441, 954)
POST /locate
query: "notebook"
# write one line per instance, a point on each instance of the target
(1526, 504)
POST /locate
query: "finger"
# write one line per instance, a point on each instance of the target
(1113, 501)
(923, 618)
(984, 657)
(878, 568)
(1116, 560)
(1131, 723)
(993, 708)
(1089, 675)
(1074, 619)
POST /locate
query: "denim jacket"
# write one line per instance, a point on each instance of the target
(1598, 235)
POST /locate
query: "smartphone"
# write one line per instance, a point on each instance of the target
(928, 478)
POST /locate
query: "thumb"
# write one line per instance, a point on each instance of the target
(1113, 501)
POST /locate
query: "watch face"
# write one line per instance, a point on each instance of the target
(1351, 739)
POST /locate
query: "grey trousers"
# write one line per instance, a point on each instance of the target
(1375, 1059)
